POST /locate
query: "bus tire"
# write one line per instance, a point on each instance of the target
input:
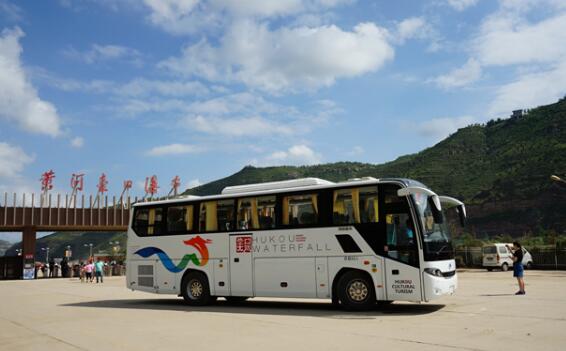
(490, 269)
(235, 299)
(355, 291)
(505, 267)
(529, 265)
(195, 289)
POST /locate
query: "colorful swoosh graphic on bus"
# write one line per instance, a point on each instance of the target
(196, 242)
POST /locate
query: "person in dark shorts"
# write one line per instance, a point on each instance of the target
(518, 270)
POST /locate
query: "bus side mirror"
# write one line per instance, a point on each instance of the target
(434, 204)
(462, 214)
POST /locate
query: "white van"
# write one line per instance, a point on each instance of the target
(499, 256)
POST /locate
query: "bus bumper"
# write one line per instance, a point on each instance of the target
(435, 287)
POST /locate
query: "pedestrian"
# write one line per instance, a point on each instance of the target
(88, 271)
(82, 272)
(64, 267)
(518, 270)
(98, 269)
(51, 268)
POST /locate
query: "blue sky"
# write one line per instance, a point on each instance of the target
(201, 88)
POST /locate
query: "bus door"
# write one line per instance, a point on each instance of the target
(241, 282)
(402, 275)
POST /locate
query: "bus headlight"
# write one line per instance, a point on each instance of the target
(434, 271)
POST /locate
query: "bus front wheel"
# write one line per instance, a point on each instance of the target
(195, 289)
(355, 291)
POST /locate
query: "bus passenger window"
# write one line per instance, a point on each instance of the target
(155, 221)
(300, 209)
(369, 208)
(256, 213)
(225, 213)
(266, 212)
(179, 219)
(247, 214)
(141, 221)
(356, 205)
(346, 208)
(207, 217)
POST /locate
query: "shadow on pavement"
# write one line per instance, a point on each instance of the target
(312, 309)
(491, 295)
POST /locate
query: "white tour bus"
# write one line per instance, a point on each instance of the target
(356, 242)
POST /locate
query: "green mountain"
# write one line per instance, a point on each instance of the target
(501, 170)
(58, 242)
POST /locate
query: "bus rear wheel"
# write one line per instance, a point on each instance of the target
(505, 267)
(195, 289)
(356, 291)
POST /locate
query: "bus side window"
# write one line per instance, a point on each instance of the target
(207, 217)
(225, 215)
(256, 213)
(216, 216)
(155, 221)
(179, 219)
(401, 241)
(266, 211)
(346, 206)
(300, 210)
(355, 205)
(141, 221)
(369, 208)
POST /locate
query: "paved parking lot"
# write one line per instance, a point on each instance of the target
(65, 314)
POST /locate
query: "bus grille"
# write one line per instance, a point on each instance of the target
(145, 270)
(145, 281)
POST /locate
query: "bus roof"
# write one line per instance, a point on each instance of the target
(270, 188)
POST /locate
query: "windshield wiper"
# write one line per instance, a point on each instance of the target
(437, 253)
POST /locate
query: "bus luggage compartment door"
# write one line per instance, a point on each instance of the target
(241, 282)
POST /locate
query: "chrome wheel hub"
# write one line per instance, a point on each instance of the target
(358, 291)
(195, 289)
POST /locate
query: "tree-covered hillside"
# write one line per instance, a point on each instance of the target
(501, 170)
(58, 242)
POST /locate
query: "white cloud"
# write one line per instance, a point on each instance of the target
(440, 128)
(98, 53)
(19, 101)
(193, 183)
(530, 90)
(470, 72)
(287, 58)
(524, 6)
(461, 5)
(10, 11)
(77, 142)
(356, 151)
(144, 87)
(508, 39)
(182, 16)
(236, 127)
(173, 149)
(190, 16)
(12, 160)
(414, 27)
(295, 155)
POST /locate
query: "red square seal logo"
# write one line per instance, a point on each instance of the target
(243, 244)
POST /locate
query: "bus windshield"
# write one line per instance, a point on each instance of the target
(437, 243)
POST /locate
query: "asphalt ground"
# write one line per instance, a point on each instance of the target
(484, 314)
